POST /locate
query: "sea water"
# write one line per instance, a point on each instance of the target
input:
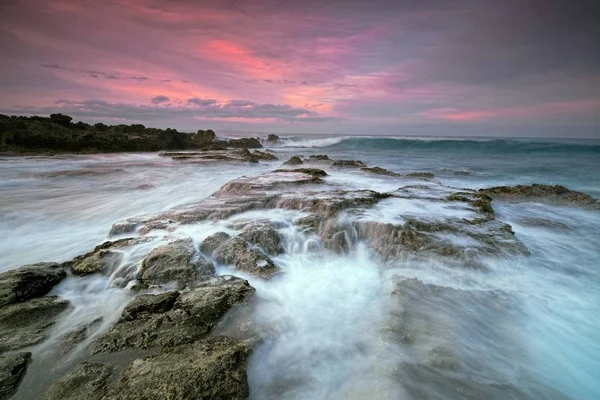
(328, 311)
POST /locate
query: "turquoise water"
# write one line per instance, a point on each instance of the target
(330, 309)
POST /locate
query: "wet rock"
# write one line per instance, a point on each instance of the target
(248, 143)
(203, 137)
(213, 368)
(29, 281)
(172, 319)
(349, 163)
(264, 155)
(237, 253)
(211, 243)
(442, 357)
(273, 138)
(549, 194)
(103, 260)
(78, 335)
(379, 171)
(12, 370)
(122, 227)
(149, 303)
(264, 237)
(319, 157)
(481, 202)
(24, 324)
(89, 380)
(176, 261)
(295, 160)
(315, 172)
(258, 186)
(420, 175)
(330, 203)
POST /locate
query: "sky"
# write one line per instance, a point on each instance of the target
(392, 67)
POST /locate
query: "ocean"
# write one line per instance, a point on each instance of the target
(349, 324)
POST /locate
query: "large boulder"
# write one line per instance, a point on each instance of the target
(103, 260)
(294, 160)
(236, 252)
(264, 237)
(29, 281)
(172, 319)
(273, 138)
(211, 243)
(212, 368)
(89, 380)
(12, 370)
(24, 324)
(176, 261)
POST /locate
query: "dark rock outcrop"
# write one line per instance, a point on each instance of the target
(319, 157)
(173, 319)
(176, 261)
(264, 156)
(202, 137)
(349, 163)
(315, 172)
(24, 324)
(379, 171)
(295, 160)
(272, 138)
(248, 143)
(12, 370)
(555, 194)
(420, 175)
(29, 282)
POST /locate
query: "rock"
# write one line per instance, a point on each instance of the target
(264, 237)
(236, 252)
(29, 281)
(202, 137)
(315, 172)
(548, 194)
(272, 138)
(211, 243)
(295, 160)
(78, 335)
(172, 319)
(24, 324)
(149, 303)
(379, 171)
(213, 368)
(319, 157)
(12, 370)
(103, 260)
(264, 156)
(89, 380)
(480, 201)
(349, 163)
(248, 143)
(122, 227)
(420, 175)
(176, 261)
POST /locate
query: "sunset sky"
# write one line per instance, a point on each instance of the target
(416, 67)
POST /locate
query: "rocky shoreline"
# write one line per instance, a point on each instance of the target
(164, 343)
(57, 134)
